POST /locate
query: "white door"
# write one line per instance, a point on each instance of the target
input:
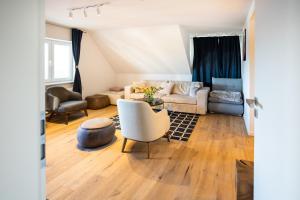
(22, 176)
(277, 88)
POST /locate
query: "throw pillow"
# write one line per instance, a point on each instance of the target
(195, 86)
(182, 88)
(116, 89)
(138, 87)
(166, 88)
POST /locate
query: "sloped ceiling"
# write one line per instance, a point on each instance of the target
(150, 36)
(144, 50)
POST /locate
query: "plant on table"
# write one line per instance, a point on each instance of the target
(149, 93)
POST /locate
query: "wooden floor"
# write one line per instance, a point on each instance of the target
(201, 169)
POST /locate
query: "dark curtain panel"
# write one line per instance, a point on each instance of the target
(230, 55)
(76, 43)
(206, 61)
(218, 57)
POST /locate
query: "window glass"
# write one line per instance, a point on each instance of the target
(62, 61)
(46, 58)
(59, 65)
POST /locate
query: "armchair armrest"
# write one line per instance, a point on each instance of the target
(128, 90)
(202, 98)
(75, 96)
(163, 119)
(52, 102)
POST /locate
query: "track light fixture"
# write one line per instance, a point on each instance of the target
(98, 10)
(85, 9)
(84, 12)
(70, 14)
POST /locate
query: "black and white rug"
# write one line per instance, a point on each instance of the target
(182, 124)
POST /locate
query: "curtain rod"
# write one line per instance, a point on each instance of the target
(217, 34)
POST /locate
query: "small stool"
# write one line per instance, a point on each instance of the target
(97, 101)
(95, 132)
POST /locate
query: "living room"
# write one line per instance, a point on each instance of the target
(138, 99)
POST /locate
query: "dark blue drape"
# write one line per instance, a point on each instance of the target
(230, 55)
(218, 57)
(205, 59)
(76, 44)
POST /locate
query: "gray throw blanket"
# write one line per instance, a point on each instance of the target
(226, 95)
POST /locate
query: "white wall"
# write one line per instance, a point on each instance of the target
(20, 84)
(156, 51)
(248, 74)
(58, 32)
(186, 39)
(277, 149)
(96, 73)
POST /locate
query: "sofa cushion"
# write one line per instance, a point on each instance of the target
(178, 98)
(182, 87)
(70, 106)
(216, 100)
(230, 96)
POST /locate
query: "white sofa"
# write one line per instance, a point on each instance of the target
(180, 99)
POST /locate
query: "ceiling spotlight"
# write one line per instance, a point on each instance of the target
(84, 12)
(98, 10)
(70, 14)
(85, 8)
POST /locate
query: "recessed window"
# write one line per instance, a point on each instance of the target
(59, 64)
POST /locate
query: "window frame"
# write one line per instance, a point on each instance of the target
(51, 80)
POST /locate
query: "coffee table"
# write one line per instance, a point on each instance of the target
(156, 102)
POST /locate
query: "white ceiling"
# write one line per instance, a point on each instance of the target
(199, 15)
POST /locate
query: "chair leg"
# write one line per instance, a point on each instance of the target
(148, 144)
(124, 144)
(67, 118)
(85, 112)
(50, 116)
(168, 136)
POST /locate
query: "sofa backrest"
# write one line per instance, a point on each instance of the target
(180, 87)
(227, 84)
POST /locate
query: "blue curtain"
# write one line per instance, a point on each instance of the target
(206, 60)
(76, 44)
(218, 57)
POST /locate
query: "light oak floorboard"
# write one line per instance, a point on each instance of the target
(201, 169)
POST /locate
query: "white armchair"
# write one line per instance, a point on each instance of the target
(140, 123)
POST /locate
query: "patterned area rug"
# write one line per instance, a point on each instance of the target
(182, 124)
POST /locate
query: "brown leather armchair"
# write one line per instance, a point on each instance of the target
(59, 100)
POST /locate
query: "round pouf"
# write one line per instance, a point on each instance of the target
(97, 101)
(95, 132)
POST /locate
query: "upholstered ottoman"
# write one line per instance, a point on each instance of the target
(97, 101)
(95, 132)
(114, 96)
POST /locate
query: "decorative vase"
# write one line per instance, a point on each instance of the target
(149, 98)
(149, 93)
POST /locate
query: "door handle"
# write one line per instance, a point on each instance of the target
(251, 102)
(254, 103)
